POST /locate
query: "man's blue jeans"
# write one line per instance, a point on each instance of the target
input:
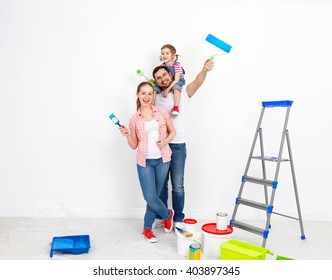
(176, 172)
(152, 178)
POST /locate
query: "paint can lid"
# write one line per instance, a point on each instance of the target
(212, 229)
(189, 221)
(195, 246)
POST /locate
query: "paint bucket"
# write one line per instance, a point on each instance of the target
(194, 251)
(183, 243)
(212, 238)
(190, 225)
(221, 221)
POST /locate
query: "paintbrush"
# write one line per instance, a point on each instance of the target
(115, 120)
(184, 232)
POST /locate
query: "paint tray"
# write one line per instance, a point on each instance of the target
(75, 244)
(239, 250)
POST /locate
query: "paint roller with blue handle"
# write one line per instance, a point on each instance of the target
(218, 43)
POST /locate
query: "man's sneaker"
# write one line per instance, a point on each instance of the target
(175, 110)
(168, 224)
(149, 236)
(157, 224)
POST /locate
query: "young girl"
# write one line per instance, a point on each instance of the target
(150, 131)
(169, 59)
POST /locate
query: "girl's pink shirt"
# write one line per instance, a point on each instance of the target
(137, 122)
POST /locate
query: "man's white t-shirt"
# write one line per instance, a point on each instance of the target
(179, 120)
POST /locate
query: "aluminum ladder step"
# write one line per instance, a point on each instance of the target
(268, 158)
(255, 204)
(250, 228)
(260, 181)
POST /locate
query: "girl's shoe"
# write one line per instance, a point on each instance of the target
(175, 110)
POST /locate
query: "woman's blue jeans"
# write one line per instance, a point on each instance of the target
(176, 172)
(152, 178)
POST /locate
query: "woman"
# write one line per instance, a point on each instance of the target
(150, 131)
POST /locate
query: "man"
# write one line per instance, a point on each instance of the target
(163, 78)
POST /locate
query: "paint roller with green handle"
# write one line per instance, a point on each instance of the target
(140, 73)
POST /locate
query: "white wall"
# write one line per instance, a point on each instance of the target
(66, 65)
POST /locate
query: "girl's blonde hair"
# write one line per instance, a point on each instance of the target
(138, 103)
(172, 49)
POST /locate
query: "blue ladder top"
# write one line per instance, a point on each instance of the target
(282, 103)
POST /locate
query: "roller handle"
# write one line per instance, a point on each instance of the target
(140, 73)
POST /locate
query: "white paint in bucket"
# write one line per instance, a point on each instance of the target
(183, 242)
(212, 238)
(222, 221)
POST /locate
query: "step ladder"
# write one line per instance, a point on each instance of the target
(269, 194)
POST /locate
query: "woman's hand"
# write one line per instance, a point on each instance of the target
(161, 144)
(124, 130)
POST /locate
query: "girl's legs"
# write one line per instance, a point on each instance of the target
(176, 97)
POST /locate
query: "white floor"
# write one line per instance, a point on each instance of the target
(112, 239)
